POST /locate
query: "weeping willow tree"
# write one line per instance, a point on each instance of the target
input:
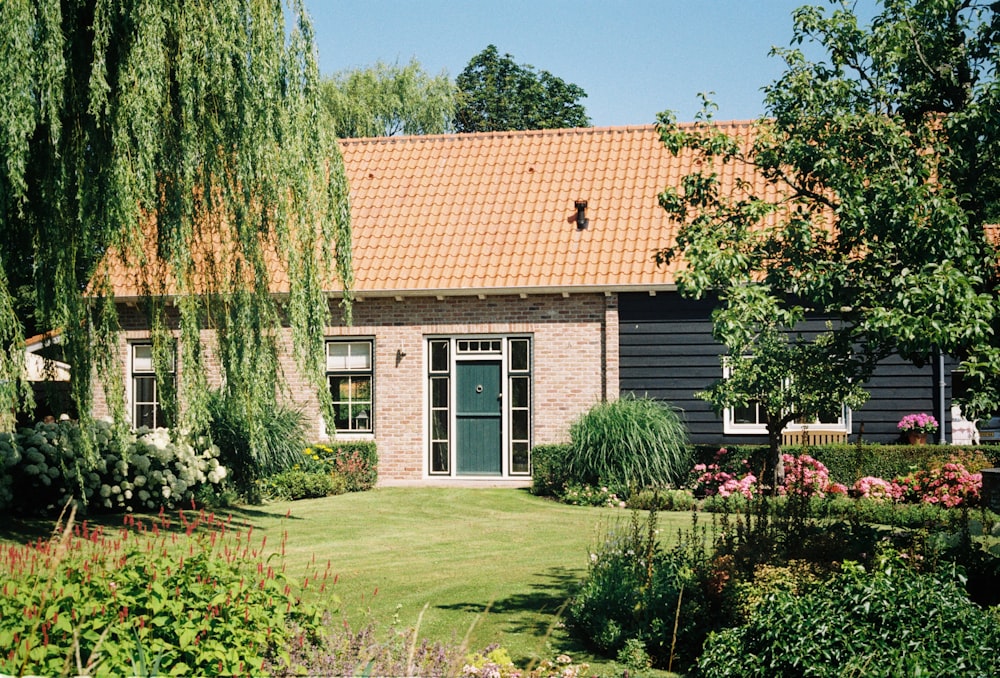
(176, 143)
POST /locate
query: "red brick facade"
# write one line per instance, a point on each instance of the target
(574, 342)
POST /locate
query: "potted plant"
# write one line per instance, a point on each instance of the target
(915, 427)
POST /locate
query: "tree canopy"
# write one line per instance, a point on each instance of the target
(132, 131)
(496, 93)
(385, 100)
(884, 154)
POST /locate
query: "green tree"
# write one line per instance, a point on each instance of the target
(137, 133)
(385, 100)
(880, 174)
(495, 93)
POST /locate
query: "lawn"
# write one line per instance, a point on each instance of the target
(496, 564)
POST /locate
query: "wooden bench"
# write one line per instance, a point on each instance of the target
(811, 436)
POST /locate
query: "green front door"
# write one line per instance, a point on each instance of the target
(478, 407)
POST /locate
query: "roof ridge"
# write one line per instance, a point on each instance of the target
(502, 134)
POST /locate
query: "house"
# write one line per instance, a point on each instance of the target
(49, 377)
(505, 283)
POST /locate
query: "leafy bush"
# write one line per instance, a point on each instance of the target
(207, 601)
(549, 472)
(633, 590)
(141, 470)
(629, 444)
(950, 485)
(253, 450)
(354, 461)
(299, 484)
(710, 479)
(890, 621)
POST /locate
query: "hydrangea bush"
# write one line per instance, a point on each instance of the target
(43, 468)
(711, 480)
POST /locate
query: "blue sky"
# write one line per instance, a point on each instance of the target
(633, 58)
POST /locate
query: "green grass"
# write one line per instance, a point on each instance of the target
(496, 564)
(481, 566)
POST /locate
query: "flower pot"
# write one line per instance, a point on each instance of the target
(917, 437)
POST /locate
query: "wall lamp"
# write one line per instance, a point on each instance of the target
(581, 214)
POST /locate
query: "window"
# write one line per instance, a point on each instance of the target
(750, 418)
(440, 406)
(520, 406)
(147, 409)
(349, 375)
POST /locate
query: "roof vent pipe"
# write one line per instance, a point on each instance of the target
(581, 214)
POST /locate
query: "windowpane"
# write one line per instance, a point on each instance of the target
(142, 358)
(145, 415)
(348, 355)
(439, 457)
(144, 390)
(519, 355)
(439, 425)
(519, 462)
(342, 417)
(746, 415)
(439, 356)
(519, 392)
(519, 424)
(439, 392)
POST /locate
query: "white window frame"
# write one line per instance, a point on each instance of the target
(144, 368)
(354, 364)
(730, 426)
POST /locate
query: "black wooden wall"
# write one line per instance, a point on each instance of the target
(667, 352)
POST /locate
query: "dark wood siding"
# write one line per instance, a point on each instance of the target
(667, 352)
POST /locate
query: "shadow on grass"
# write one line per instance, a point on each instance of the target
(538, 612)
(25, 529)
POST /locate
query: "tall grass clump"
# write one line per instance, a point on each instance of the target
(629, 444)
(253, 449)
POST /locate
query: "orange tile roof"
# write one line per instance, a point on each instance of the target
(494, 212)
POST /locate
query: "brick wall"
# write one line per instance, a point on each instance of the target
(572, 338)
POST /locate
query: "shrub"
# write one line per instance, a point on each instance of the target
(950, 485)
(710, 479)
(629, 444)
(633, 590)
(804, 476)
(141, 470)
(588, 495)
(890, 621)
(253, 450)
(355, 461)
(549, 469)
(299, 484)
(206, 601)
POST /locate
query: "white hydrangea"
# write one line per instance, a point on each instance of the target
(217, 474)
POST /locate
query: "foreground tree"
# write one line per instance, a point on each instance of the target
(156, 132)
(496, 93)
(385, 100)
(881, 175)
